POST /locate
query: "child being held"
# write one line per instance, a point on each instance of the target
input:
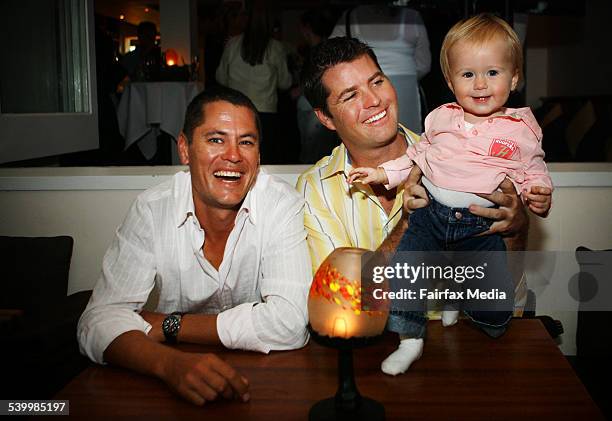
(468, 148)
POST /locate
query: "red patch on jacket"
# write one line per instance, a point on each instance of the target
(503, 148)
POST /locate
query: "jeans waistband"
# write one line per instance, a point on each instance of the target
(457, 215)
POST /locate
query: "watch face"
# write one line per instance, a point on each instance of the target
(171, 325)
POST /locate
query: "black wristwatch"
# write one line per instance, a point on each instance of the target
(171, 326)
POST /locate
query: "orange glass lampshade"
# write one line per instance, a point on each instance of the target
(171, 57)
(334, 301)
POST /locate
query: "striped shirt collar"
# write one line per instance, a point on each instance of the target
(341, 162)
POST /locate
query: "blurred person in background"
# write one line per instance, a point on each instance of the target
(143, 63)
(316, 140)
(399, 38)
(255, 64)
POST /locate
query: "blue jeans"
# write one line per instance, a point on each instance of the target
(439, 228)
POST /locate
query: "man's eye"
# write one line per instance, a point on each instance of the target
(467, 75)
(215, 140)
(493, 72)
(247, 142)
(348, 97)
(379, 81)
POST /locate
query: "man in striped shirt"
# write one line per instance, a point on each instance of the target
(351, 95)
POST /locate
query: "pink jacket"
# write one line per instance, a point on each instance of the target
(476, 161)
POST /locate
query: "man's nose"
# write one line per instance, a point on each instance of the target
(231, 152)
(371, 99)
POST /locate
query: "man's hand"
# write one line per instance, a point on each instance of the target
(415, 196)
(366, 175)
(539, 200)
(511, 218)
(204, 377)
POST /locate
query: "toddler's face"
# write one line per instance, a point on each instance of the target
(481, 77)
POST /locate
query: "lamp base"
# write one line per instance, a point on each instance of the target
(326, 410)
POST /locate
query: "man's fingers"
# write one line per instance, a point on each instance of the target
(491, 213)
(415, 176)
(413, 204)
(236, 382)
(193, 397)
(203, 388)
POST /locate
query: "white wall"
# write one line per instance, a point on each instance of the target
(89, 203)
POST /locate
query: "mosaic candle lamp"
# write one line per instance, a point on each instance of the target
(338, 320)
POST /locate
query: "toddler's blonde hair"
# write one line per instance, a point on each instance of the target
(479, 30)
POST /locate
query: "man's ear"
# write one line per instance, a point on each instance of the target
(183, 149)
(325, 119)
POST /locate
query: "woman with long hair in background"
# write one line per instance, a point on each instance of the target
(256, 64)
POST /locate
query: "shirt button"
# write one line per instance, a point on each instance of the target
(458, 215)
(474, 132)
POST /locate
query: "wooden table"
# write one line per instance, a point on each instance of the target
(462, 375)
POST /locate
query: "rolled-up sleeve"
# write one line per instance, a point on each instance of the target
(128, 276)
(279, 321)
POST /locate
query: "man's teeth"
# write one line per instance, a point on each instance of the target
(232, 174)
(376, 117)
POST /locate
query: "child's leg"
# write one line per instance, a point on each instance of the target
(492, 314)
(411, 327)
(407, 317)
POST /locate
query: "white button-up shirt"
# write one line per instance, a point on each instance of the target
(259, 291)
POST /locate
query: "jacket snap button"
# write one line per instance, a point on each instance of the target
(458, 215)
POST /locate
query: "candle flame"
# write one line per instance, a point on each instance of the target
(340, 327)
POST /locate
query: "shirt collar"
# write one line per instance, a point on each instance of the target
(340, 162)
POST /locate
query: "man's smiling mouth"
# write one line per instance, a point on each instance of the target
(376, 117)
(228, 175)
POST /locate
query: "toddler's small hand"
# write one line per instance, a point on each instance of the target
(539, 200)
(363, 175)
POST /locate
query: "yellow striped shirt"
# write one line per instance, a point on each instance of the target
(340, 215)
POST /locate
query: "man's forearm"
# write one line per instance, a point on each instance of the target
(390, 243)
(199, 329)
(136, 351)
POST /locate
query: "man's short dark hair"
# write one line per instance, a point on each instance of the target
(328, 54)
(194, 116)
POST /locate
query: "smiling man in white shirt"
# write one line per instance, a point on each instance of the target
(226, 248)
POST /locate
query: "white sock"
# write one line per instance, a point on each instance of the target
(449, 317)
(409, 351)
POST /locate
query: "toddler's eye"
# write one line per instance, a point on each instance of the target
(467, 75)
(493, 72)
